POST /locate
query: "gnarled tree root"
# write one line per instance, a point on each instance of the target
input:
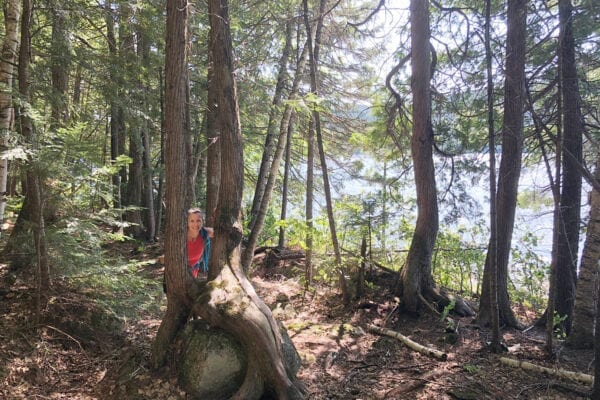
(230, 302)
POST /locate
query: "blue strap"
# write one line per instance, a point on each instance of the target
(206, 253)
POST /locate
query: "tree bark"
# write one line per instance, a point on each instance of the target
(229, 300)
(12, 14)
(585, 310)
(410, 343)
(510, 164)
(562, 373)
(416, 280)
(60, 65)
(286, 178)
(178, 301)
(147, 195)
(495, 317)
(416, 274)
(134, 184)
(213, 134)
(570, 195)
(310, 168)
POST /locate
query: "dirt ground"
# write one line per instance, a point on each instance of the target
(79, 352)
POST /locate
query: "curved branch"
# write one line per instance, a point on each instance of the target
(375, 11)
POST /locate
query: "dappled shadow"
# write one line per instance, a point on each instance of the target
(87, 348)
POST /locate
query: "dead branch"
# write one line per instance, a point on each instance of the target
(410, 343)
(558, 372)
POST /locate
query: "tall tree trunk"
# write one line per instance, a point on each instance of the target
(495, 318)
(134, 184)
(510, 164)
(570, 195)
(148, 187)
(585, 310)
(556, 226)
(12, 13)
(147, 190)
(286, 178)
(230, 300)
(178, 301)
(132, 181)
(416, 281)
(161, 165)
(416, 274)
(33, 179)
(213, 157)
(308, 215)
(60, 64)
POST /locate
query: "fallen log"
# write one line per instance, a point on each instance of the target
(410, 343)
(559, 372)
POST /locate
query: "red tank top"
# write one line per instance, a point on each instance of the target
(194, 250)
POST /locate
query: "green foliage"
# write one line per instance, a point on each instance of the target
(529, 274)
(449, 307)
(535, 200)
(558, 323)
(459, 258)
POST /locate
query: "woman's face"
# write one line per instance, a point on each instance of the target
(194, 222)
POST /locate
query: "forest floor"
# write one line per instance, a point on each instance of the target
(84, 349)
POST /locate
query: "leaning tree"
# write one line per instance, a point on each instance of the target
(416, 280)
(228, 300)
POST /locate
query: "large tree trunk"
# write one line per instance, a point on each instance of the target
(416, 280)
(495, 318)
(582, 332)
(178, 301)
(147, 195)
(161, 166)
(134, 185)
(230, 301)
(510, 164)
(213, 157)
(570, 195)
(12, 13)
(60, 64)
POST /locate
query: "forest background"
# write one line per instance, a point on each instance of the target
(83, 121)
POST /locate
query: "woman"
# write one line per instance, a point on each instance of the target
(198, 245)
(198, 242)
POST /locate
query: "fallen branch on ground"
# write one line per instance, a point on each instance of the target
(559, 372)
(410, 343)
